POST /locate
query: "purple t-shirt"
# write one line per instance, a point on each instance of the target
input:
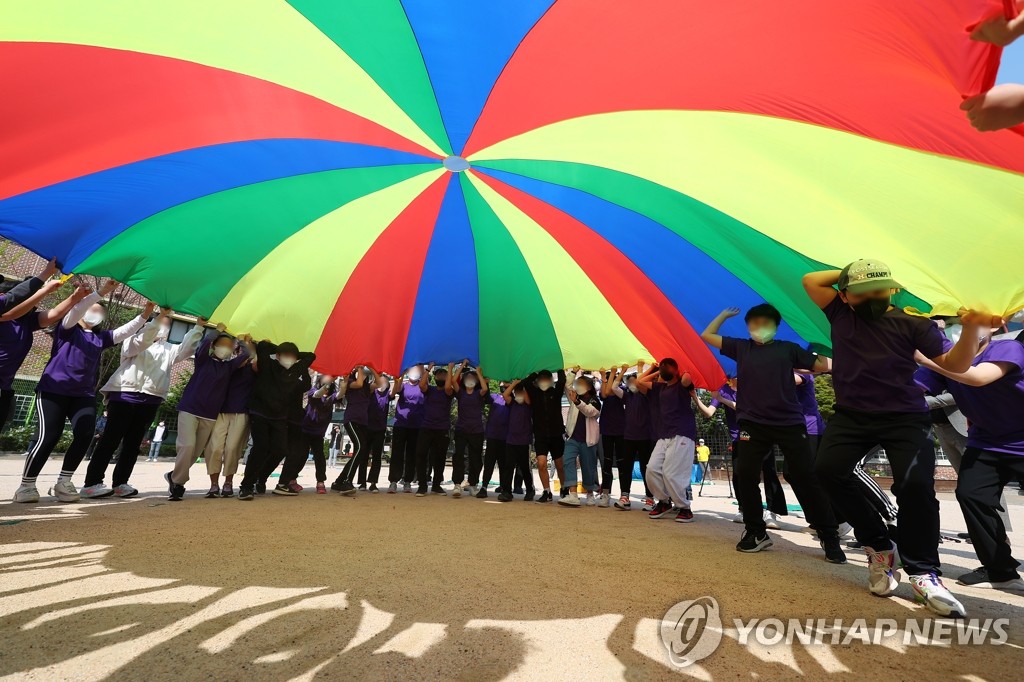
(379, 410)
(357, 404)
(239, 390)
(809, 405)
(134, 398)
(675, 414)
(995, 411)
(15, 343)
(766, 372)
(318, 412)
(731, 421)
(637, 416)
(471, 410)
(204, 395)
(873, 361)
(613, 416)
(497, 418)
(520, 424)
(437, 409)
(74, 364)
(409, 408)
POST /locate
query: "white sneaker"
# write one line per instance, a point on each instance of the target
(65, 491)
(125, 490)
(771, 519)
(883, 576)
(465, 484)
(570, 500)
(591, 500)
(930, 591)
(845, 529)
(26, 493)
(648, 504)
(95, 491)
(457, 491)
(605, 500)
(473, 490)
(737, 517)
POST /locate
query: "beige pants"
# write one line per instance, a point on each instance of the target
(193, 435)
(230, 434)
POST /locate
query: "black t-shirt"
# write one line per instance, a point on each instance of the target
(765, 376)
(873, 360)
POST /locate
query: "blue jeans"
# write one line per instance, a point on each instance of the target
(587, 456)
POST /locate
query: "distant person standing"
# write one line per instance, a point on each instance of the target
(157, 441)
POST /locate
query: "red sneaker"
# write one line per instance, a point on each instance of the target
(295, 486)
(321, 489)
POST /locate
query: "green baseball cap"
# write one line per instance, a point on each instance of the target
(863, 276)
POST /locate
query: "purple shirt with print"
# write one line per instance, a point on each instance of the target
(995, 411)
(520, 424)
(873, 361)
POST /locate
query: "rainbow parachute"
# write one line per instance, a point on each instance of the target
(526, 183)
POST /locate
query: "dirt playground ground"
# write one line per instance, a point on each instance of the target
(321, 587)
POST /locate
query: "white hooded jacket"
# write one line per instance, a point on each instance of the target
(146, 362)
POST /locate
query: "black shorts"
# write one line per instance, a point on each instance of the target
(549, 445)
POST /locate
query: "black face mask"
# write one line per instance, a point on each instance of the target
(666, 374)
(872, 308)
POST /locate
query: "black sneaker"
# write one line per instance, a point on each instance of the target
(260, 488)
(347, 489)
(752, 543)
(245, 493)
(528, 497)
(170, 483)
(505, 497)
(834, 553)
(563, 491)
(661, 510)
(336, 486)
(373, 488)
(545, 497)
(482, 493)
(421, 491)
(438, 490)
(177, 492)
(362, 486)
(686, 516)
(283, 489)
(517, 491)
(498, 490)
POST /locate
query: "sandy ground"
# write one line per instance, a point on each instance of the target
(395, 587)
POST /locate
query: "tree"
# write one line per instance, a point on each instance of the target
(826, 395)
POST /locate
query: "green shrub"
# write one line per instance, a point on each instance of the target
(18, 438)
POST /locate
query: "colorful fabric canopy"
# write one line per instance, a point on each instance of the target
(526, 183)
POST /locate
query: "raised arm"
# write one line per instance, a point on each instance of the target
(707, 410)
(425, 378)
(458, 371)
(507, 395)
(485, 384)
(51, 316)
(29, 302)
(645, 378)
(449, 380)
(820, 286)
(190, 342)
(360, 379)
(710, 333)
(979, 375)
(127, 330)
(79, 309)
(140, 341)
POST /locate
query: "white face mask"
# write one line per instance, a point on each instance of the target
(520, 399)
(92, 318)
(632, 388)
(222, 352)
(286, 362)
(544, 385)
(470, 383)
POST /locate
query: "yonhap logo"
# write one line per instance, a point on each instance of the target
(691, 631)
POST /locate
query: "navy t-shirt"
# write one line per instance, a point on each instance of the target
(357, 404)
(520, 424)
(766, 373)
(638, 416)
(613, 416)
(437, 407)
(675, 414)
(873, 360)
(471, 410)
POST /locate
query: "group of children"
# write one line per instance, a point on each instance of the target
(884, 361)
